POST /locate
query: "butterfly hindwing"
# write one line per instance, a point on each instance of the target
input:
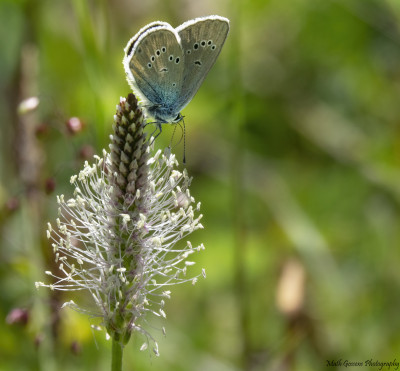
(202, 40)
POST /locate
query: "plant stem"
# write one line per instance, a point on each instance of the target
(116, 357)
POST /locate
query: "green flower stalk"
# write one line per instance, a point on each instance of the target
(116, 238)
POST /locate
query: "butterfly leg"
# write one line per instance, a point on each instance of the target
(159, 128)
(172, 137)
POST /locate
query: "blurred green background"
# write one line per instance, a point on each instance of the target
(294, 145)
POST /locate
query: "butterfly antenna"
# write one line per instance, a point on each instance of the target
(183, 136)
(172, 137)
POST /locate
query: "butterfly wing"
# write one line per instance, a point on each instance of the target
(202, 40)
(131, 43)
(154, 65)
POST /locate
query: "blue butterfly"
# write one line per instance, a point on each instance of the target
(165, 66)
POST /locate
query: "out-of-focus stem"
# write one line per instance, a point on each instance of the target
(116, 356)
(238, 118)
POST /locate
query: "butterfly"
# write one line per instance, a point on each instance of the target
(165, 66)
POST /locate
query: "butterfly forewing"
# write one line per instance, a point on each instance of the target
(155, 64)
(202, 40)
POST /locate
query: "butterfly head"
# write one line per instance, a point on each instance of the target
(164, 115)
(178, 118)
